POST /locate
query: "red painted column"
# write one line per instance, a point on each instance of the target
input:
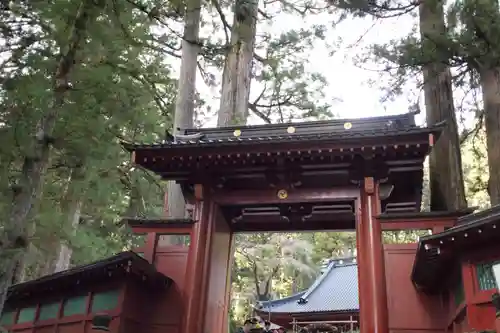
(373, 292)
(360, 241)
(150, 247)
(197, 267)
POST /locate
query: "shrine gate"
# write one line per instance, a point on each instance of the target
(359, 174)
(323, 175)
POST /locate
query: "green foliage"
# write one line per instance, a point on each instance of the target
(475, 165)
(121, 90)
(289, 91)
(467, 43)
(403, 236)
(262, 259)
(331, 244)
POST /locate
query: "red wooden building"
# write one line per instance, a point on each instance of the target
(457, 264)
(358, 174)
(124, 286)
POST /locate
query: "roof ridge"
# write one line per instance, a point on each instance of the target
(368, 133)
(284, 299)
(314, 122)
(119, 256)
(477, 216)
(316, 283)
(346, 265)
(481, 220)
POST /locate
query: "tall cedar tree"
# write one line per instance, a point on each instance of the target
(445, 162)
(185, 102)
(482, 27)
(14, 240)
(446, 175)
(236, 77)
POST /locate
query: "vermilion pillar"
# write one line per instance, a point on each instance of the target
(197, 265)
(360, 241)
(372, 286)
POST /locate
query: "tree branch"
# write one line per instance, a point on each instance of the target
(227, 27)
(257, 112)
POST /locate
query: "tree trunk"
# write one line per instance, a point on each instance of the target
(184, 105)
(71, 209)
(63, 259)
(135, 205)
(14, 241)
(237, 73)
(445, 162)
(490, 84)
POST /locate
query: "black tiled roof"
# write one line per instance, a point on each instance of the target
(402, 121)
(492, 213)
(94, 273)
(331, 130)
(468, 222)
(336, 290)
(233, 141)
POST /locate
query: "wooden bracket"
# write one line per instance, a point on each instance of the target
(369, 185)
(198, 192)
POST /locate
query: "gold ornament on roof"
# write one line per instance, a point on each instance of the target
(290, 130)
(347, 126)
(282, 194)
(237, 132)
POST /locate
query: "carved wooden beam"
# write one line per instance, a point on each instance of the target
(362, 167)
(273, 179)
(269, 196)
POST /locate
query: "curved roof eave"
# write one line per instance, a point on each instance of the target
(287, 299)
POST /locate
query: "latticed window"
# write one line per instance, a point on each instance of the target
(105, 301)
(7, 317)
(26, 315)
(485, 276)
(74, 305)
(48, 311)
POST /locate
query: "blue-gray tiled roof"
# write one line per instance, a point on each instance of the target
(336, 290)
